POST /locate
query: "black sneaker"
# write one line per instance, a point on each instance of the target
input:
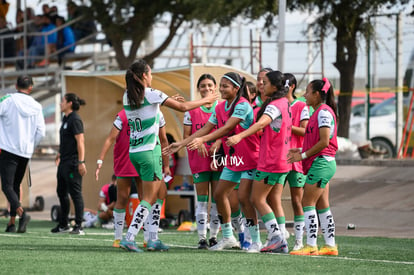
(11, 228)
(202, 244)
(212, 242)
(77, 229)
(23, 221)
(60, 229)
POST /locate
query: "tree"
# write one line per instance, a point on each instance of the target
(133, 20)
(351, 20)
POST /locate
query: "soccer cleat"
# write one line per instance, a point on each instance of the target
(23, 221)
(202, 244)
(212, 241)
(298, 245)
(60, 229)
(156, 245)
(277, 244)
(307, 250)
(77, 230)
(254, 247)
(241, 238)
(129, 246)
(226, 243)
(116, 243)
(245, 246)
(328, 250)
(11, 228)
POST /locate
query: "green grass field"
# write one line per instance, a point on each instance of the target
(40, 252)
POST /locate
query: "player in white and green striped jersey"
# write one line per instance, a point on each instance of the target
(142, 106)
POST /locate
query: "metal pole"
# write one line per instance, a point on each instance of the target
(368, 87)
(281, 42)
(398, 82)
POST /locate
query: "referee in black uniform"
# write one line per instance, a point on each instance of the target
(71, 164)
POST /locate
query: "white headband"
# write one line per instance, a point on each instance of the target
(232, 80)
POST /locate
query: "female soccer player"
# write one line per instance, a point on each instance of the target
(296, 179)
(318, 160)
(203, 176)
(142, 107)
(274, 119)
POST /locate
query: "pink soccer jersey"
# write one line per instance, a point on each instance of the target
(276, 137)
(122, 164)
(322, 117)
(196, 118)
(299, 111)
(244, 155)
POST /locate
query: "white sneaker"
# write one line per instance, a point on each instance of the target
(226, 243)
(298, 245)
(255, 247)
(286, 234)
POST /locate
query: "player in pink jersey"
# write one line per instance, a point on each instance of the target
(318, 159)
(232, 116)
(260, 97)
(203, 176)
(274, 119)
(125, 172)
(296, 178)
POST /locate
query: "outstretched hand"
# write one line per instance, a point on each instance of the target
(202, 151)
(172, 148)
(195, 144)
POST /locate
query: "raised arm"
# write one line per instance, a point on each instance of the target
(189, 105)
(110, 139)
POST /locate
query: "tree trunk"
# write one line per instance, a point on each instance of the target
(346, 58)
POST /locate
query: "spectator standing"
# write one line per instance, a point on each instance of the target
(71, 164)
(22, 126)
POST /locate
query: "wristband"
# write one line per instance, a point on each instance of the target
(81, 161)
(303, 155)
(99, 161)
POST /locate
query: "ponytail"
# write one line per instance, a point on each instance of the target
(134, 82)
(76, 101)
(290, 80)
(276, 78)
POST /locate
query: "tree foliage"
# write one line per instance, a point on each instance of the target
(350, 19)
(133, 20)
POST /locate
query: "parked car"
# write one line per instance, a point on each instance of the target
(382, 128)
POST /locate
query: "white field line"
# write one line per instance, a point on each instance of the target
(82, 238)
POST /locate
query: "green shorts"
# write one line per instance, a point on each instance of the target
(271, 178)
(296, 179)
(321, 171)
(148, 164)
(207, 176)
(236, 176)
